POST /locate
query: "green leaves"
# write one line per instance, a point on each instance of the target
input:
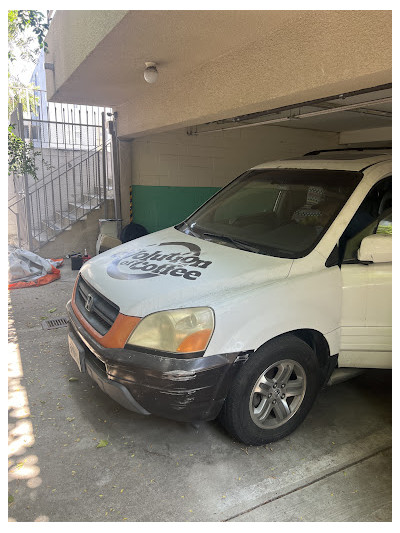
(18, 22)
(102, 444)
(21, 155)
(27, 18)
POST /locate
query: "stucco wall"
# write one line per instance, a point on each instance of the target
(304, 56)
(72, 36)
(323, 53)
(173, 173)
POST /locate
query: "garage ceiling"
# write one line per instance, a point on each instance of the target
(214, 64)
(369, 110)
(178, 41)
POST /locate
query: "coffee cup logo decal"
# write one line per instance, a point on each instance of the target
(155, 260)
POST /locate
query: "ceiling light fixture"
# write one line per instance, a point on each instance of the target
(150, 72)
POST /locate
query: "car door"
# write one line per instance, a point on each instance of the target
(379, 306)
(366, 328)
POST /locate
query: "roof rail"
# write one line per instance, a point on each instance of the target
(360, 149)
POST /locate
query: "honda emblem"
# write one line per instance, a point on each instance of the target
(89, 303)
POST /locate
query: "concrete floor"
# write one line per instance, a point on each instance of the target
(335, 467)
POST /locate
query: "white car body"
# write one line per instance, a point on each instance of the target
(244, 310)
(255, 297)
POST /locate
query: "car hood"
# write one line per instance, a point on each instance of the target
(169, 269)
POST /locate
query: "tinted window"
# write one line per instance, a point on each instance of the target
(373, 216)
(283, 213)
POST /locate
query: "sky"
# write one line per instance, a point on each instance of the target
(21, 68)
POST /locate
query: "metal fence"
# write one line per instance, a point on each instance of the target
(73, 159)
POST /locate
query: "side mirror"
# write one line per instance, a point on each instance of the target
(376, 249)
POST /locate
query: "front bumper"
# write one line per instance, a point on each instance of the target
(181, 389)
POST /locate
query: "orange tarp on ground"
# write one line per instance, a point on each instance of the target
(47, 278)
(27, 269)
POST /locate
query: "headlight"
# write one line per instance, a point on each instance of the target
(180, 330)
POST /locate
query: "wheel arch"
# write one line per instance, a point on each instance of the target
(314, 338)
(236, 415)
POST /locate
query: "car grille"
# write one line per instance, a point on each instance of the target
(101, 314)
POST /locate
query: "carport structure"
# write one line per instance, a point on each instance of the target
(235, 89)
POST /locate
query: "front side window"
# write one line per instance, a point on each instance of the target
(278, 212)
(373, 216)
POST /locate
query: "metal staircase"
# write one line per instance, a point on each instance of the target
(74, 164)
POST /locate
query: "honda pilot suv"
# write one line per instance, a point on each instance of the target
(244, 309)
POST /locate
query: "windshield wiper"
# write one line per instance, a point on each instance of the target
(189, 229)
(238, 244)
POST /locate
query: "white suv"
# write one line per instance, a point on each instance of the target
(243, 310)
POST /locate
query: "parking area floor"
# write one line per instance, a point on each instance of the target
(335, 467)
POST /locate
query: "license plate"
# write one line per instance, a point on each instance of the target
(77, 353)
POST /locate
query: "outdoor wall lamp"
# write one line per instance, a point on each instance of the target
(150, 72)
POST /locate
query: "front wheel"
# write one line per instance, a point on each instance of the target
(273, 392)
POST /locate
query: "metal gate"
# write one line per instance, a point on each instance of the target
(74, 167)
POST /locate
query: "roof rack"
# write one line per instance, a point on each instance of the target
(359, 149)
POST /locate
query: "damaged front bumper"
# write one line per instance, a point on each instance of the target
(172, 387)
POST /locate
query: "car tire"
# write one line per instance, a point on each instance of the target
(273, 392)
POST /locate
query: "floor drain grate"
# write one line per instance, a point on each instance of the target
(54, 323)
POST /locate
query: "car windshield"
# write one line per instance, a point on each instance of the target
(278, 212)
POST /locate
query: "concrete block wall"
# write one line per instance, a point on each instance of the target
(166, 165)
